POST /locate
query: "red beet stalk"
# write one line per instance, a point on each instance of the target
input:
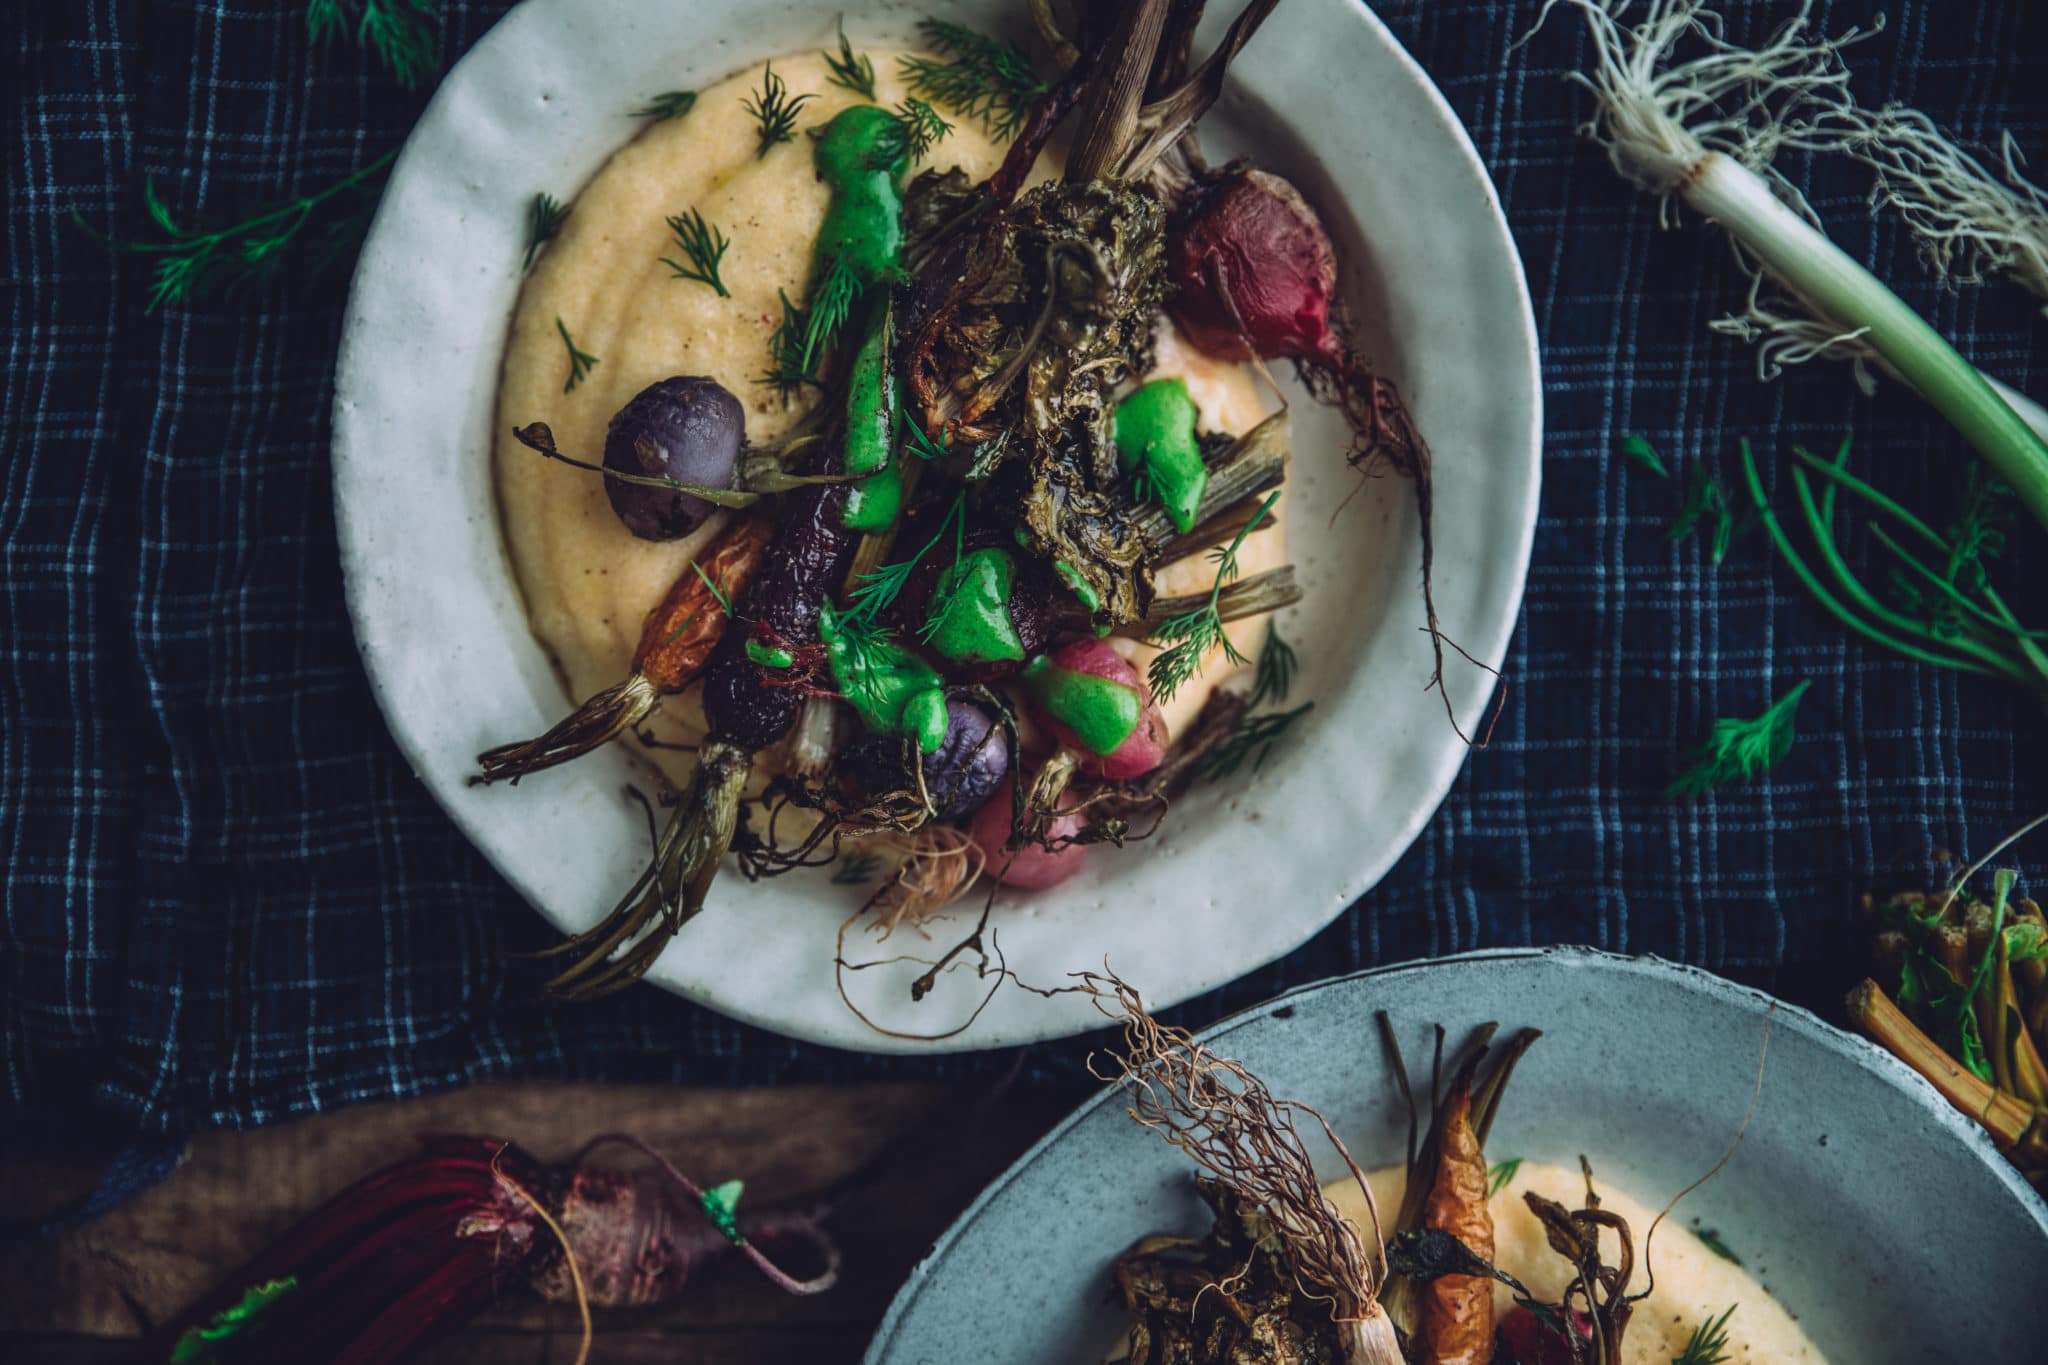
(405, 1256)
(1256, 278)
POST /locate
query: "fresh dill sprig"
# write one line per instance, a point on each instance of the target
(880, 587)
(923, 127)
(1278, 664)
(400, 33)
(1252, 739)
(921, 443)
(856, 869)
(704, 245)
(192, 265)
(544, 217)
(1706, 505)
(1640, 450)
(1710, 1238)
(1500, 1173)
(978, 76)
(850, 71)
(581, 363)
(1192, 634)
(1709, 1342)
(831, 303)
(1739, 750)
(788, 370)
(667, 105)
(718, 594)
(775, 110)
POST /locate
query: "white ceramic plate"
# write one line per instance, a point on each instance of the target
(1240, 875)
(1879, 1216)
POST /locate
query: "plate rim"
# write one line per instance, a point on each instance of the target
(359, 571)
(1857, 1051)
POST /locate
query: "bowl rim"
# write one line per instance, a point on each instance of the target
(1836, 1042)
(368, 605)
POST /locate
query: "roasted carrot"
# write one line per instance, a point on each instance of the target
(1457, 1310)
(674, 645)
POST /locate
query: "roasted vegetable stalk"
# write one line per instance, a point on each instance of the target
(675, 644)
(1457, 1310)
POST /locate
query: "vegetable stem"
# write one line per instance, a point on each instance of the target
(1829, 280)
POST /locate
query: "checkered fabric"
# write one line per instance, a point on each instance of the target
(228, 900)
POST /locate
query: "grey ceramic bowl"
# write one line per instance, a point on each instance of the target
(1873, 1211)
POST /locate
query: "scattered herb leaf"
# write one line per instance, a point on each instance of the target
(400, 33)
(196, 1346)
(856, 869)
(1709, 1342)
(544, 217)
(667, 105)
(1252, 738)
(775, 110)
(581, 363)
(980, 77)
(1640, 450)
(192, 265)
(704, 245)
(788, 368)
(1278, 664)
(921, 443)
(831, 303)
(1500, 1173)
(923, 127)
(1706, 505)
(1739, 750)
(718, 594)
(1710, 1238)
(850, 71)
(879, 587)
(1192, 634)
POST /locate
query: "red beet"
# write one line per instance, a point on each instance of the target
(1535, 1344)
(1030, 868)
(407, 1255)
(1256, 275)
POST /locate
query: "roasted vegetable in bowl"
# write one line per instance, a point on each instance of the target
(1009, 520)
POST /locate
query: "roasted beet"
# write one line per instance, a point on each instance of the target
(1032, 867)
(961, 774)
(1098, 705)
(1255, 272)
(686, 428)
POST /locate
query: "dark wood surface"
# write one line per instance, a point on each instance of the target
(902, 1161)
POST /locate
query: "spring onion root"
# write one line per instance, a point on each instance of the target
(1705, 130)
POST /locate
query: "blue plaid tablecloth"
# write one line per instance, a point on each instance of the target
(228, 900)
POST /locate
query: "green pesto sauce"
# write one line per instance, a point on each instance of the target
(875, 502)
(871, 401)
(892, 690)
(861, 155)
(769, 656)
(1155, 437)
(1084, 591)
(1101, 713)
(970, 611)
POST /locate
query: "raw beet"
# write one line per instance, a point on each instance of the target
(687, 428)
(961, 774)
(1030, 868)
(1252, 263)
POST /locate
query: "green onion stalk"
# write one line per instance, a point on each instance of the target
(1704, 130)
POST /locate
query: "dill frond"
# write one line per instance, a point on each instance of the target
(192, 265)
(880, 587)
(977, 76)
(399, 33)
(1709, 1342)
(1640, 450)
(1251, 740)
(830, 305)
(1740, 750)
(788, 370)
(544, 217)
(775, 110)
(704, 245)
(1191, 635)
(923, 127)
(1500, 1173)
(1278, 664)
(667, 105)
(581, 363)
(718, 594)
(850, 71)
